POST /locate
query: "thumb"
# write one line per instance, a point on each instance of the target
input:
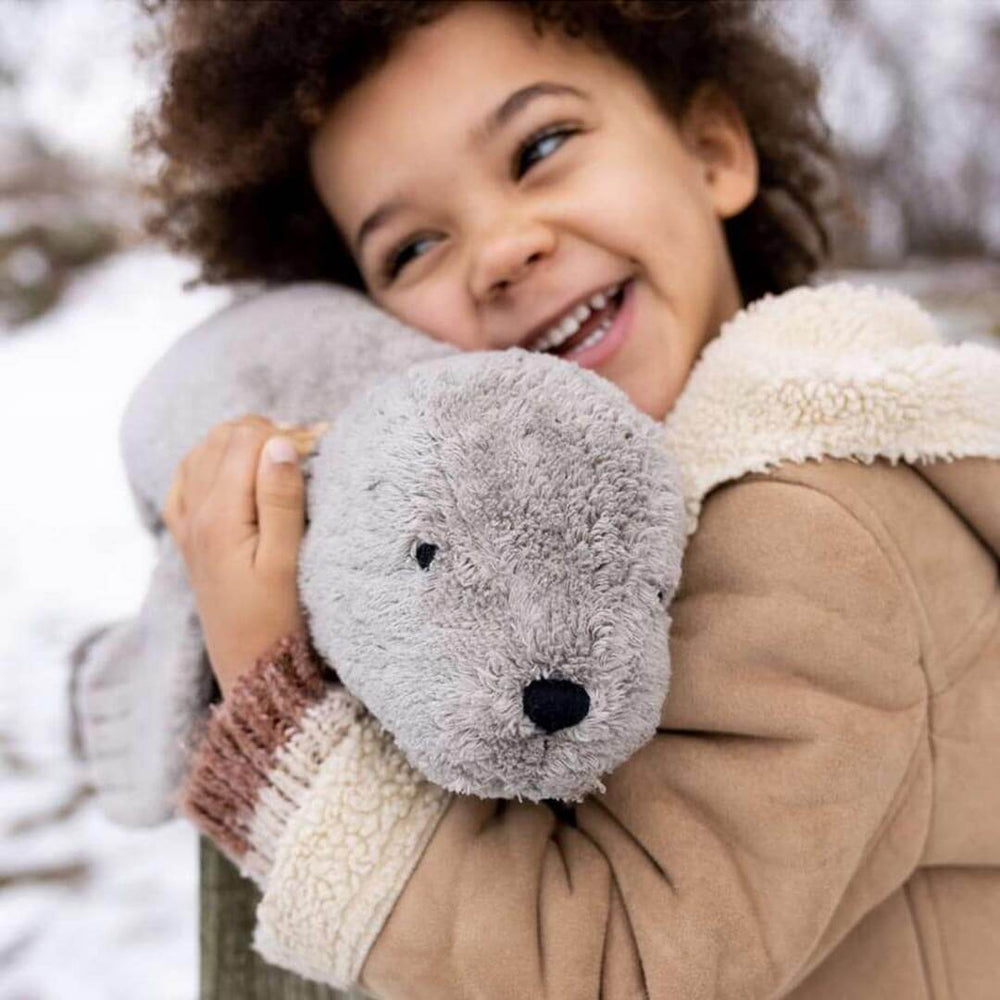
(281, 507)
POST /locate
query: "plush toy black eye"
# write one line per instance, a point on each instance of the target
(424, 553)
(659, 595)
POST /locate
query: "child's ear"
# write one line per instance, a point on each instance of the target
(714, 131)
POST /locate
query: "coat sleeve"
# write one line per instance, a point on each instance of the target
(785, 795)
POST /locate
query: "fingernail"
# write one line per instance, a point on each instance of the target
(281, 451)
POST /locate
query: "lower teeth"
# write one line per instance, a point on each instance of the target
(593, 338)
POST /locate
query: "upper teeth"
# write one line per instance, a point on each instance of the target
(572, 320)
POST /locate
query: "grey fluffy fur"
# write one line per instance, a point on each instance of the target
(555, 510)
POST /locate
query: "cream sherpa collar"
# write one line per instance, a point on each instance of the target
(835, 371)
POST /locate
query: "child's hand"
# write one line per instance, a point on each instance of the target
(237, 511)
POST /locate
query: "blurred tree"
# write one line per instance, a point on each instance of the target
(917, 136)
(47, 229)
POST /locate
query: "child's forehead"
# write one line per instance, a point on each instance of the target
(476, 52)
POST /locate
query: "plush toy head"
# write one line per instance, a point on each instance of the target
(493, 541)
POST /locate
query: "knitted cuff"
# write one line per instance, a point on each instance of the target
(260, 751)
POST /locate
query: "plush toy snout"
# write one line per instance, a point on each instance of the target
(555, 704)
(551, 704)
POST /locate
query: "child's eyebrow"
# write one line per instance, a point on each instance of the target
(511, 107)
(520, 99)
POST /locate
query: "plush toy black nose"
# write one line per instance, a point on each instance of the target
(554, 704)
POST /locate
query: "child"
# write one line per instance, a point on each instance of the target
(818, 815)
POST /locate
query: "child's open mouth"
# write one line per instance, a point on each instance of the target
(592, 331)
(593, 328)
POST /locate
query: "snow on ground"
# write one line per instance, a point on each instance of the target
(87, 910)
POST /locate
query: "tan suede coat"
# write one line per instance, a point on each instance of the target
(818, 816)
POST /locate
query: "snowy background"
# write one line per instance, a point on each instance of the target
(88, 910)
(95, 912)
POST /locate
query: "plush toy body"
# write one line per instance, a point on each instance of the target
(493, 541)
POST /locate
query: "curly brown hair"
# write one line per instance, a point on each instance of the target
(249, 81)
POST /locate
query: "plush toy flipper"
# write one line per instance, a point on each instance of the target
(144, 685)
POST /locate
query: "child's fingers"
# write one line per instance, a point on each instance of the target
(280, 504)
(217, 484)
(213, 494)
(233, 492)
(201, 466)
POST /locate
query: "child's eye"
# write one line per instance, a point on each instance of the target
(404, 253)
(540, 146)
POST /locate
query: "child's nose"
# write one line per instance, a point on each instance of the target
(555, 704)
(502, 284)
(507, 258)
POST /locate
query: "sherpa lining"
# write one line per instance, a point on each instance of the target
(837, 372)
(345, 857)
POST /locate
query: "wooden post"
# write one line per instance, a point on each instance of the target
(230, 969)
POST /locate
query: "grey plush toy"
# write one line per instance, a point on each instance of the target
(493, 541)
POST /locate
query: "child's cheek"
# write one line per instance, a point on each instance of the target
(626, 207)
(437, 306)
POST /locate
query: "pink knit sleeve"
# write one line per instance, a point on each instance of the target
(270, 731)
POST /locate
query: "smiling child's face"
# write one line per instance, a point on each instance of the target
(495, 185)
